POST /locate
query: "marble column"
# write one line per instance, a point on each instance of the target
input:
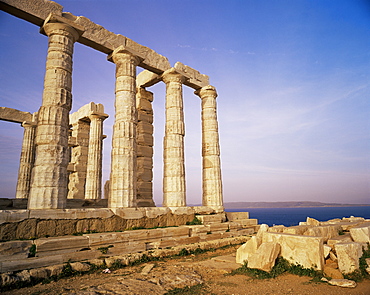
(212, 182)
(123, 178)
(49, 175)
(174, 189)
(26, 160)
(93, 185)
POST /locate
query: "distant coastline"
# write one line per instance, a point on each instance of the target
(302, 204)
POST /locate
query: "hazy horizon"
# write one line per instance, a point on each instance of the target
(292, 78)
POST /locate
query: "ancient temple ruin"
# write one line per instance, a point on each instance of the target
(62, 153)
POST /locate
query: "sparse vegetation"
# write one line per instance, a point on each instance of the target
(193, 290)
(195, 221)
(104, 250)
(32, 251)
(281, 266)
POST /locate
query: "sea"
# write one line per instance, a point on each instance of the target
(292, 216)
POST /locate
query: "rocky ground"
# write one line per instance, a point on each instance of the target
(207, 273)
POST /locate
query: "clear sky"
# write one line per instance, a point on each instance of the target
(293, 79)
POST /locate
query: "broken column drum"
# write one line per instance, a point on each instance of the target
(173, 154)
(123, 164)
(49, 175)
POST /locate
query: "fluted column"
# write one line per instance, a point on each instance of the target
(26, 160)
(174, 189)
(212, 182)
(123, 176)
(49, 175)
(94, 157)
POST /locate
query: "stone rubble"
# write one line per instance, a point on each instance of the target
(334, 247)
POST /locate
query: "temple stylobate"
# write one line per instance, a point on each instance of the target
(46, 147)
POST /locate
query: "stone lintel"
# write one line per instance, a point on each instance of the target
(86, 111)
(194, 79)
(13, 115)
(55, 18)
(33, 11)
(147, 78)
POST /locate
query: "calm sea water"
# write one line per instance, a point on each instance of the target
(292, 216)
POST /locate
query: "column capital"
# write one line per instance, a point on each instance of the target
(98, 116)
(54, 23)
(122, 54)
(171, 75)
(29, 124)
(206, 91)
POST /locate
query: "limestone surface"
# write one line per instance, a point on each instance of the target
(304, 250)
(265, 256)
(348, 256)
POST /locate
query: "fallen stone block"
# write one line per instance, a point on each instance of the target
(343, 283)
(55, 270)
(146, 269)
(304, 250)
(325, 231)
(246, 250)
(276, 229)
(327, 250)
(348, 255)
(265, 256)
(312, 221)
(368, 265)
(360, 233)
(295, 230)
(339, 239)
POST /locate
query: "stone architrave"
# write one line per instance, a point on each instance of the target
(123, 177)
(212, 182)
(174, 189)
(93, 187)
(49, 175)
(145, 143)
(26, 160)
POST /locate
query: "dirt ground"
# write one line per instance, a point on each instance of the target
(209, 269)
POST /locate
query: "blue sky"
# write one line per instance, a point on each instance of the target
(293, 81)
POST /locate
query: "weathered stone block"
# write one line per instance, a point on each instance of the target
(208, 219)
(246, 250)
(39, 273)
(80, 266)
(332, 272)
(312, 221)
(304, 250)
(218, 227)
(29, 263)
(339, 239)
(325, 231)
(14, 250)
(265, 256)
(13, 215)
(155, 211)
(196, 230)
(61, 243)
(98, 239)
(233, 216)
(181, 231)
(295, 230)
(128, 213)
(360, 233)
(348, 256)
